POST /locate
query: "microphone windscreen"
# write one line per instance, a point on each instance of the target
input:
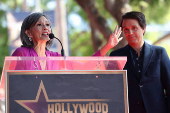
(51, 36)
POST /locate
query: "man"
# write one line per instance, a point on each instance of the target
(148, 68)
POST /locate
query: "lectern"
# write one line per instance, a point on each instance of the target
(68, 85)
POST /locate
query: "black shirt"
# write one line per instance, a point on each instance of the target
(138, 64)
(137, 61)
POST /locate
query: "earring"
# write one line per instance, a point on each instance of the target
(30, 39)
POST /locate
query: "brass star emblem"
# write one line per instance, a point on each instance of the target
(40, 104)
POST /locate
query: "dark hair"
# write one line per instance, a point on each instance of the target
(28, 22)
(140, 17)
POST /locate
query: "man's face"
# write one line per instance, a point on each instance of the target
(133, 32)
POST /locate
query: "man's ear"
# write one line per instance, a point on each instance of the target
(144, 30)
(27, 32)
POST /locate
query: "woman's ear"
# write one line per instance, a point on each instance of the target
(27, 32)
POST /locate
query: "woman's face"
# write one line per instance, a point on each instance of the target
(40, 31)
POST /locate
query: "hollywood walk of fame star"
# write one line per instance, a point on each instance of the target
(40, 104)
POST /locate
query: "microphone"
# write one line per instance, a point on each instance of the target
(51, 36)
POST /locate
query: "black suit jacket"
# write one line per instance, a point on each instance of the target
(155, 78)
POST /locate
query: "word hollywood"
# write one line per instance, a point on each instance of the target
(78, 108)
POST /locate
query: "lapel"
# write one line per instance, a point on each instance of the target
(147, 57)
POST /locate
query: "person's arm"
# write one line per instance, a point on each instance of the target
(165, 76)
(18, 64)
(112, 42)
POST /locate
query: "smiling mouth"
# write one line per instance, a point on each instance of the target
(45, 34)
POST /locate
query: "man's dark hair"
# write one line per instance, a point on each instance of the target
(28, 22)
(140, 17)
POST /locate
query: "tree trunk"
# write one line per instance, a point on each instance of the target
(60, 22)
(24, 6)
(117, 8)
(95, 18)
(15, 4)
(95, 38)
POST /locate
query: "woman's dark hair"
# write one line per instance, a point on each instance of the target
(28, 22)
(140, 17)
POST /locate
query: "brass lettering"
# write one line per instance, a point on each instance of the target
(91, 107)
(51, 109)
(98, 107)
(57, 108)
(75, 107)
(63, 108)
(68, 108)
(84, 108)
(104, 108)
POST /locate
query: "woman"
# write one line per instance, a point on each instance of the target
(34, 35)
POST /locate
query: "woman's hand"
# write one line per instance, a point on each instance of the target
(114, 38)
(112, 42)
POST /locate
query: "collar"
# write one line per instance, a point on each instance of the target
(141, 49)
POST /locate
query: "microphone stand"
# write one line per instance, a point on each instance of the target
(51, 36)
